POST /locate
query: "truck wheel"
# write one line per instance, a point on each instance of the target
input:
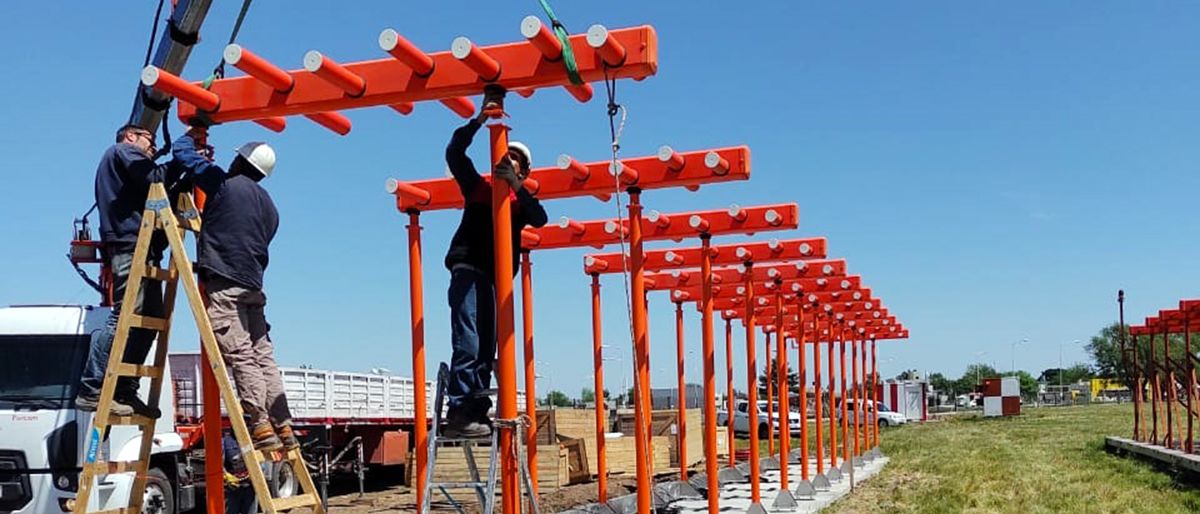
(158, 498)
(883, 423)
(762, 431)
(284, 483)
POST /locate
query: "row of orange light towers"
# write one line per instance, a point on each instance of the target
(1163, 368)
(814, 299)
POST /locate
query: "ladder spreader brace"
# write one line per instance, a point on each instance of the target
(159, 216)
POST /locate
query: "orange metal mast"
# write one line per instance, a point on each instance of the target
(802, 375)
(710, 382)
(601, 412)
(833, 407)
(530, 369)
(769, 386)
(641, 352)
(681, 404)
(752, 391)
(729, 391)
(416, 305)
(857, 399)
(846, 460)
(785, 433)
(817, 392)
(214, 470)
(875, 387)
(506, 351)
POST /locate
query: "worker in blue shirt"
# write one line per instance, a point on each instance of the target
(240, 220)
(123, 180)
(472, 294)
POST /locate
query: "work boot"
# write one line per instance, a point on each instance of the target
(287, 437)
(264, 438)
(137, 406)
(86, 403)
(462, 424)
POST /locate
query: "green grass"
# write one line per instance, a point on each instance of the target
(1046, 460)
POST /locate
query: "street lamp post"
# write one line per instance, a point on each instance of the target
(1013, 364)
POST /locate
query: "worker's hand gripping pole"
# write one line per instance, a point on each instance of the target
(506, 356)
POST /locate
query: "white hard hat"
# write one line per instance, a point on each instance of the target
(260, 155)
(520, 147)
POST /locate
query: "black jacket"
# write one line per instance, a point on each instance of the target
(123, 180)
(239, 222)
(472, 243)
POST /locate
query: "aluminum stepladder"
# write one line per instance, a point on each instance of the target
(484, 490)
(158, 216)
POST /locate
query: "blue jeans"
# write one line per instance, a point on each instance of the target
(473, 334)
(149, 303)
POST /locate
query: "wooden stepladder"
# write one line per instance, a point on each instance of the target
(159, 216)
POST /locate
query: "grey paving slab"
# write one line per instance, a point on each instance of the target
(735, 498)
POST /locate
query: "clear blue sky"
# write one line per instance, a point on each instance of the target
(994, 170)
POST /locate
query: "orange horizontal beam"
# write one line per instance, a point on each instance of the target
(737, 291)
(791, 307)
(680, 258)
(598, 233)
(390, 80)
(829, 270)
(728, 296)
(570, 178)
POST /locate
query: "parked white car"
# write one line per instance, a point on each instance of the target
(887, 417)
(741, 418)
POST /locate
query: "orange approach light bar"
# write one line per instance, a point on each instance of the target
(570, 178)
(831, 271)
(598, 233)
(408, 74)
(656, 260)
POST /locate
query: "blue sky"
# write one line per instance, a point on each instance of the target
(994, 170)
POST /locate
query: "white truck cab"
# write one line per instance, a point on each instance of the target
(43, 439)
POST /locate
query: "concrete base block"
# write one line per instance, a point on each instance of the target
(744, 467)
(624, 504)
(804, 490)
(834, 475)
(821, 483)
(768, 464)
(844, 467)
(859, 462)
(756, 508)
(699, 482)
(784, 502)
(730, 476)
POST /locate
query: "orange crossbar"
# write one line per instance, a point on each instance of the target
(598, 233)
(390, 81)
(833, 271)
(760, 252)
(569, 178)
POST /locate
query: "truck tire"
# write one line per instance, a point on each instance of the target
(283, 481)
(883, 423)
(158, 498)
(762, 431)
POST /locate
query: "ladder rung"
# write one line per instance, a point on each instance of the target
(115, 467)
(303, 500)
(134, 420)
(160, 274)
(147, 322)
(459, 485)
(135, 370)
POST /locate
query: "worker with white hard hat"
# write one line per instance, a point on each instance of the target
(240, 220)
(472, 294)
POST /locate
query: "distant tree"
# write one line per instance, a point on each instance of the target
(1105, 351)
(557, 399)
(973, 376)
(941, 384)
(793, 380)
(587, 395)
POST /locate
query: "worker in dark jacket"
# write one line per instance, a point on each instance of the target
(472, 294)
(123, 181)
(240, 220)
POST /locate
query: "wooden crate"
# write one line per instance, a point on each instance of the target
(553, 463)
